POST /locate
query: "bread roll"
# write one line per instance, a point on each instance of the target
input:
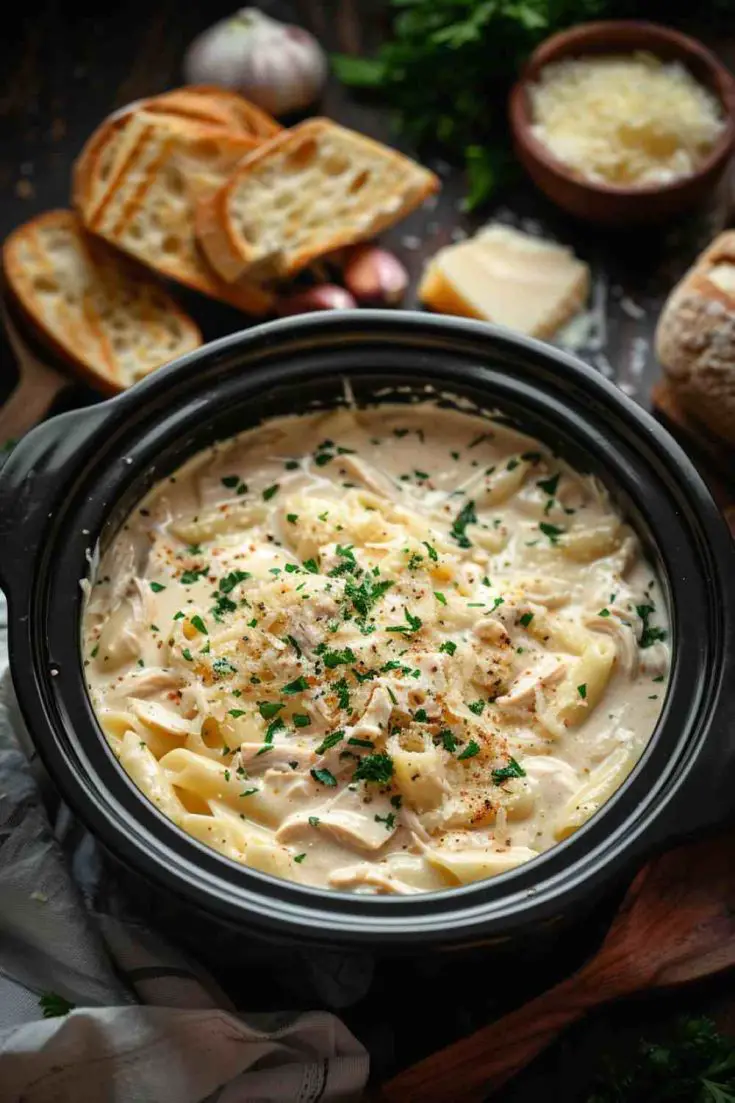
(695, 338)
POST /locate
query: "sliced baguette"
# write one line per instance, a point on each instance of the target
(93, 166)
(306, 192)
(161, 167)
(215, 106)
(99, 311)
(208, 105)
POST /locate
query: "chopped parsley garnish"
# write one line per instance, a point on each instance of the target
(299, 685)
(478, 707)
(270, 492)
(227, 775)
(301, 719)
(330, 741)
(343, 693)
(421, 716)
(268, 709)
(332, 659)
(513, 769)
(651, 633)
(448, 741)
(230, 481)
(389, 820)
(292, 518)
(299, 858)
(470, 750)
(354, 741)
(552, 531)
(497, 603)
(311, 566)
(314, 821)
(604, 613)
(221, 667)
(448, 647)
(291, 465)
(478, 440)
(179, 615)
(531, 457)
(465, 517)
(231, 580)
(526, 619)
(188, 578)
(582, 691)
(440, 597)
(199, 624)
(549, 486)
(512, 464)
(366, 595)
(249, 792)
(377, 768)
(54, 1006)
(432, 551)
(95, 651)
(412, 623)
(659, 678)
(236, 712)
(324, 777)
(187, 655)
(276, 725)
(157, 587)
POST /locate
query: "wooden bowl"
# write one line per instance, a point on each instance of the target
(605, 203)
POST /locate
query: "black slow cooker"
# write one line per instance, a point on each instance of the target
(70, 483)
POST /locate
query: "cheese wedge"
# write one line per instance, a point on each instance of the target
(508, 277)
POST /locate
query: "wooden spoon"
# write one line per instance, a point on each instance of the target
(38, 386)
(676, 924)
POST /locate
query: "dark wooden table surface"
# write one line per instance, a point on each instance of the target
(64, 67)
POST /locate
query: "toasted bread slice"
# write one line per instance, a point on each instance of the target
(306, 192)
(208, 105)
(101, 312)
(93, 166)
(161, 167)
(215, 106)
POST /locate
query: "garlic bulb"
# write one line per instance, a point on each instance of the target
(279, 67)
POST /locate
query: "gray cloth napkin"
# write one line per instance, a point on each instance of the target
(149, 1025)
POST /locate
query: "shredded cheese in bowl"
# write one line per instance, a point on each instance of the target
(625, 120)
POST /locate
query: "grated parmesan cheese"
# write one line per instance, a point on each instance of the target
(625, 119)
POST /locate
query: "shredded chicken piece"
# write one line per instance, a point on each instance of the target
(143, 683)
(522, 694)
(369, 476)
(349, 877)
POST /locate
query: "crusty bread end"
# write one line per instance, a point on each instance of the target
(695, 337)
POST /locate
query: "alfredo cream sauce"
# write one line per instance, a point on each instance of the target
(387, 651)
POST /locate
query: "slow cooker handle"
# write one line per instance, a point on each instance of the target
(31, 480)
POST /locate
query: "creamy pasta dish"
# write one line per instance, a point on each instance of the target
(387, 650)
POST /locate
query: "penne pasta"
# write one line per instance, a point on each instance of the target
(389, 650)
